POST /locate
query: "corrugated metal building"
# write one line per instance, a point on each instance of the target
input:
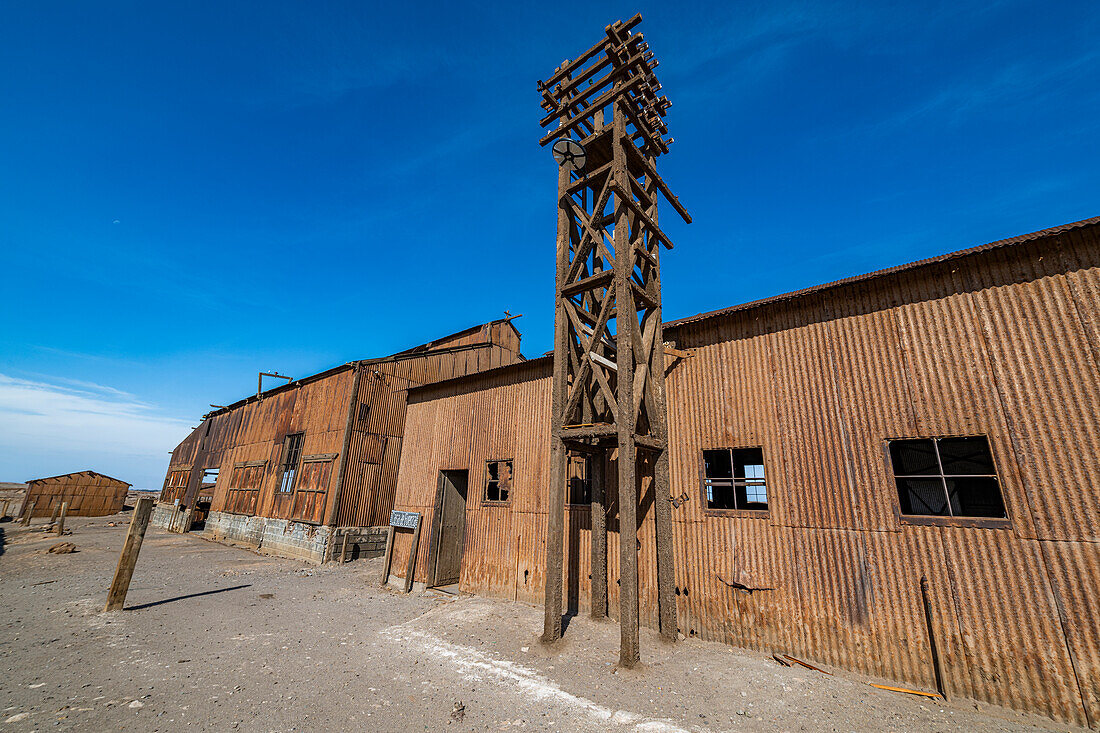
(87, 493)
(830, 448)
(282, 470)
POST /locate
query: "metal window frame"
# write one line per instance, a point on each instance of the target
(284, 465)
(737, 511)
(950, 517)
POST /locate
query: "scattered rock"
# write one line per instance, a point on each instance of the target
(267, 595)
(17, 717)
(458, 712)
(62, 548)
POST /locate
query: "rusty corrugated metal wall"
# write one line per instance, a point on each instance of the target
(1003, 343)
(374, 452)
(251, 434)
(87, 493)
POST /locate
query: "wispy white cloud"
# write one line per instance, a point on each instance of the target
(70, 421)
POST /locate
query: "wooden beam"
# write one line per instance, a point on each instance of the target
(627, 199)
(602, 101)
(410, 569)
(599, 280)
(652, 174)
(598, 544)
(59, 529)
(388, 558)
(127, 560)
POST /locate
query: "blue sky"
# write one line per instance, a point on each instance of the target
(192, 192)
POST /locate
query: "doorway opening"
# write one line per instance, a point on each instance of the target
(450, 529)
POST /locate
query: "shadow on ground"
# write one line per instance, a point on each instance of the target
(189, 595)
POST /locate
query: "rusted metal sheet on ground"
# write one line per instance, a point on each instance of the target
(1002, 342)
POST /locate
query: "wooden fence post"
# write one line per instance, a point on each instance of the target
(56, 509)
(389, 557)
(61, 519)
(116, 597)
(411, 569)
(27, 514)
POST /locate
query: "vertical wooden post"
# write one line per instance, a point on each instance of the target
(411, 569)
(60, 529)
(598, 599)
(4, 513)
(116, 596)
(56, 509)
(937, 665)
(27, 514)
(389, 558)
(626, 323)
(555, 494)
(662, 505)
(344, 548)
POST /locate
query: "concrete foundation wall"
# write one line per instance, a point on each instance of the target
(276, 536)
(166, 516)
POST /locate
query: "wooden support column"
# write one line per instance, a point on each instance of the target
(626, 322)
(60, 528)
(27, 514)
(56, 509)
(598, 554)
(116, 596)
(555, 493)
(662, 493)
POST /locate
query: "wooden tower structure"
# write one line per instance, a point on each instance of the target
(609, 366)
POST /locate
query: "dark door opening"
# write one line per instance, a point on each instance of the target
(451, 513)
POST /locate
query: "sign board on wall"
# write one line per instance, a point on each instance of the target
(405, 520)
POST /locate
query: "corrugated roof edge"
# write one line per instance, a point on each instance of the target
(544, 360)
(411, 353)
(74, 473)
(999, 244)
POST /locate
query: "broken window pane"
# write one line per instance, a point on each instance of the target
(717, 463)
(914, 457)
(498, 483)
(966, 456)
(922, 496)
(977, 496)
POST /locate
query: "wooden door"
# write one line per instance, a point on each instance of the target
(452, 526)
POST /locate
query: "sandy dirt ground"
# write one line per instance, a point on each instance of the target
(218, 638)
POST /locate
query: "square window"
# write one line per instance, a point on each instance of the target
(947, 477)
(733, 478)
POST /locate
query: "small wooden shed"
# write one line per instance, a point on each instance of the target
(89, 494)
